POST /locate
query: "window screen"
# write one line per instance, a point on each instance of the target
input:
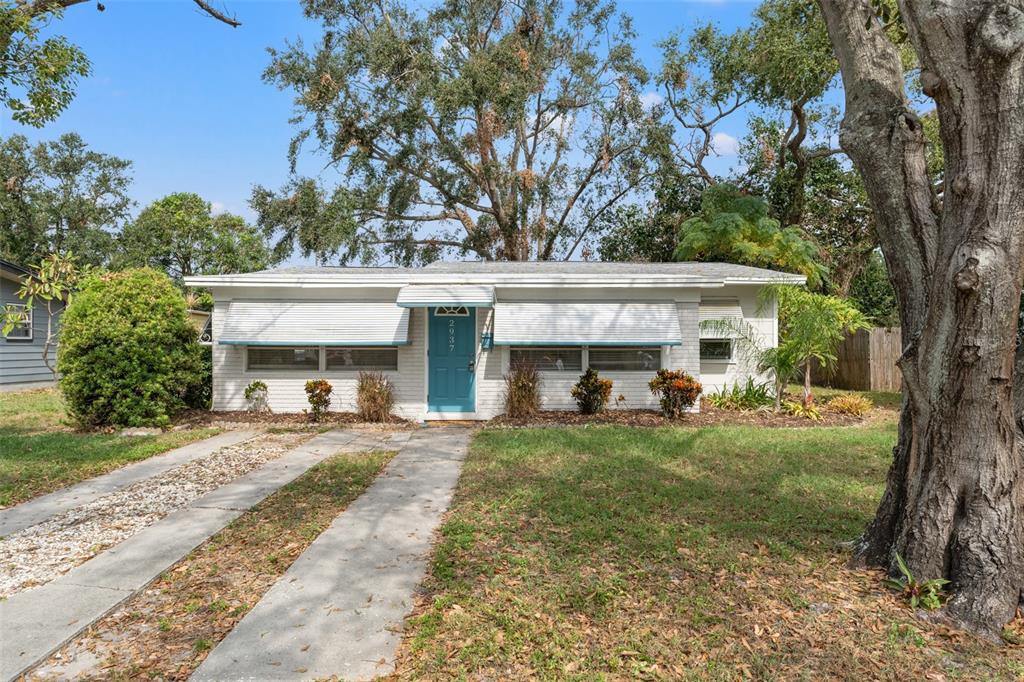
(549, 359)
(260, 357)
(716, 349)
(362, 358)
(625, 359)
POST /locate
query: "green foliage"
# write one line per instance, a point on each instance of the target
(677, 391)
(375, 397)
(38, 70)
(256, 396)
(873, 294)
(128, 353)
(522, 390)
(649, 234)
(735, 228)
(318, 393)
(489, 127)
(180, 235)
(924, 593)
(853, 404)
(591, 392)
(747, 396)
(60, 197)
(200, 396)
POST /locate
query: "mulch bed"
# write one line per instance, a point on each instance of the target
(196, 418)
(708, 416)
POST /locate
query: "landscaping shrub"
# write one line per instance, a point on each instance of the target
(800, 410)
(200, 396)
(375, 397)
(748, 396)
(677, 390)
(318, 392)
(128, 354)
(256, 396)
(592, 392)
(522, 390)
(851, 403)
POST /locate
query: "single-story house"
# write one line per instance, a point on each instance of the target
(446, 333)
(21, 349)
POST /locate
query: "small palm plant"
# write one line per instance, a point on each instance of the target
(924, 593)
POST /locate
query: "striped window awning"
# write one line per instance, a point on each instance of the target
(430, 295)
(314, 323)
(725, 311)
(587, 324)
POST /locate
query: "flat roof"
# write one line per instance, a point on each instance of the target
(506, 272)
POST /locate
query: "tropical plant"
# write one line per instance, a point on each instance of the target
(51, 282)
(795, 409)
(853, 404)
(925, 593)
(128, 352)
(750, 395)
(677, 391)
(522, 390)
(256, 396)
(811, 327)
(591, 392)
(375, 397)
(318, 393)
(735, 227)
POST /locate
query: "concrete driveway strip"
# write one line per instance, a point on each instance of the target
(339, 608)
(35, 623)
(41, 508)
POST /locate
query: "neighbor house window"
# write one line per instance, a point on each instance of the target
(362, 358)
(549, 359)
(716, 349)
(22, 330)
(284, 357)
(625, 359)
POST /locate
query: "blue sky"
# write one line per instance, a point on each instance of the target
(180, 95)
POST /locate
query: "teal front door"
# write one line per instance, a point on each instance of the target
(451, 356)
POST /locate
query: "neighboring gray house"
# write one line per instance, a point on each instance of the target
(447, 333)
(21, 351)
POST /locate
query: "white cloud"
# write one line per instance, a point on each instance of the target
(725, 145)
(217, 207)
(651, 100)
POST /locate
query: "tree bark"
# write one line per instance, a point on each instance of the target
(952, 507)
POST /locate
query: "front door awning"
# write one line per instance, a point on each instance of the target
(431, 295)
(587, 324)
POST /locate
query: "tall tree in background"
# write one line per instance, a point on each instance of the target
(180, 235)
(60, 197)
(500, 129)
(954, 500)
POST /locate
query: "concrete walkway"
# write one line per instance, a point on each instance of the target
(339, 608)
(35, 623)
(41, 508)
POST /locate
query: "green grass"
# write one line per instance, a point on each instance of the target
(614, 552)
(884, 399)
(40, 453)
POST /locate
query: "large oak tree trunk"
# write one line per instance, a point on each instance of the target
(953, 503)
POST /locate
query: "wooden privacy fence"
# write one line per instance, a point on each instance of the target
(867, 362)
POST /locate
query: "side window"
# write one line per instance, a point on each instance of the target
(716, 349)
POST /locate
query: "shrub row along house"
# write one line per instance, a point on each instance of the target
(446, 334)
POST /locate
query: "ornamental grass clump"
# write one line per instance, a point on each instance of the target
(375, 397)
(677, 391)
(522, 390)
(592, 392)
(318, 392)
(853, 404)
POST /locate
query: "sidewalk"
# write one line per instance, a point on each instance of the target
(339, 608)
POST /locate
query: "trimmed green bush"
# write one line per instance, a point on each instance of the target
(128, 353)
(591, 392)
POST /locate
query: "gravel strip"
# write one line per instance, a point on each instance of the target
(40, 553)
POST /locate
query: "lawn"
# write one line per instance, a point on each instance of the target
(673, 553)
(40, 453)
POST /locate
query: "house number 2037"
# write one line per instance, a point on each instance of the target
(451, 336)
